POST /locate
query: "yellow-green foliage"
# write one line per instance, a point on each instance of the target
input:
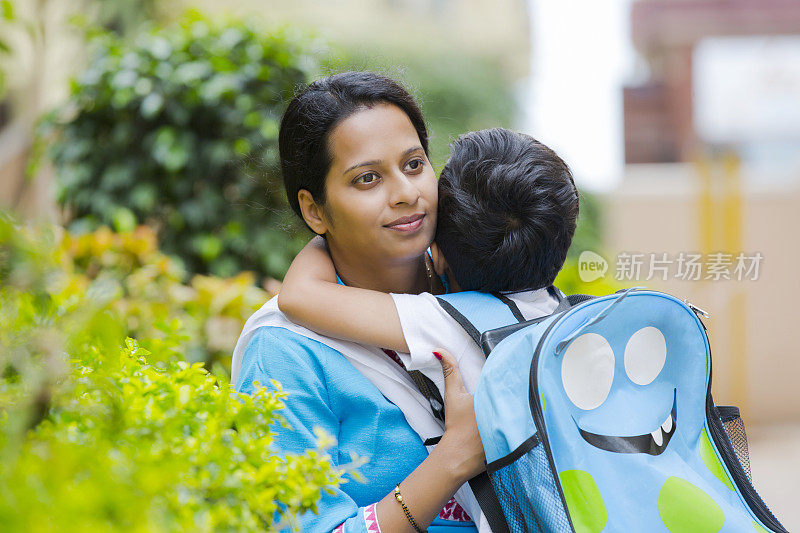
(98, 433)
(569, 281)
(127, 272)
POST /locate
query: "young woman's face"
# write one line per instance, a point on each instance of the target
(381, 191)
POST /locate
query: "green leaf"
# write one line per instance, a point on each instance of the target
(208, 246)
(151, 105)
(143, 196)
(241, 146)
(6, 10)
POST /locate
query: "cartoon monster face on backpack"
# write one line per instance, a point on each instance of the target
(626, 399)
(620, 385)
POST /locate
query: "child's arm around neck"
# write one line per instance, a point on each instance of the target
(311, 297)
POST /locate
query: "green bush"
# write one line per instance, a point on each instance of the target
(179, 131)
(98, 433)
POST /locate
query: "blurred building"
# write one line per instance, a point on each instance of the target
(659, 114)
(712, 143)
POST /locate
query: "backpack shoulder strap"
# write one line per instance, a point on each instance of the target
(477, 312)
(489, 503)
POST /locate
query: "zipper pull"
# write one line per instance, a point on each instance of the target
(697, 310)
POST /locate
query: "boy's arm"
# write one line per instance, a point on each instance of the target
(311, 297)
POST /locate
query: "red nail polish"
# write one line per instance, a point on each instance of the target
(438, 355)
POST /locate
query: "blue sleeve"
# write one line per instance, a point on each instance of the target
(275, 353)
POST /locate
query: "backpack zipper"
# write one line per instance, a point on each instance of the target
(696, 309)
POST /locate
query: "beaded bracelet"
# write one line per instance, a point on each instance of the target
(399, 498)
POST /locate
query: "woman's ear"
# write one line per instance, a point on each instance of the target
(312, 212)
(439, 262)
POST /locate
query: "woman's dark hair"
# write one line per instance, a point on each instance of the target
(316, 110)
(508, 208)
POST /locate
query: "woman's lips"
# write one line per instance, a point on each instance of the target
(406, 224)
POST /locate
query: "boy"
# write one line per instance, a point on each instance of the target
(507, 213)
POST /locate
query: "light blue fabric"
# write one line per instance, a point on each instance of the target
(504, 421)
(325, 391)
(483, 310)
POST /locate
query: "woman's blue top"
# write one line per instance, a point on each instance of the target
(325, 391)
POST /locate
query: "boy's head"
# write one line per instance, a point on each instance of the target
(507, 212)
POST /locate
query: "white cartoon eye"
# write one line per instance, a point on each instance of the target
(645, 355)
(588, 370)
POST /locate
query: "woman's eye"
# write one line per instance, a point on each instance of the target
(415, 164)
(366, 179)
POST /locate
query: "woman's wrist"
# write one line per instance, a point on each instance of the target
(425, 491)
(454, 464)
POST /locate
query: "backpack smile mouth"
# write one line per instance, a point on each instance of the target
(652, 443)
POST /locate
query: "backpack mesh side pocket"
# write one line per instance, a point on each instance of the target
(734, 427)
(527, 491)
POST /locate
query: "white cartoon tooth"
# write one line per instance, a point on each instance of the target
(667, 425)
(657, 437)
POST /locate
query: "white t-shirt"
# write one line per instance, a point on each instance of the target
(428, 327)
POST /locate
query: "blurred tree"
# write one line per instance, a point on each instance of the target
(122, 17)
(179, 131)
(6, 18)
(41, 44)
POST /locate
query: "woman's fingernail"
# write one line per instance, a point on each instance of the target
(438, 355)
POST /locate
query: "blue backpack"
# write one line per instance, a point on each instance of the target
(599, 417)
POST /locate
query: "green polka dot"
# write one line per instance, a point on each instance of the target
(712, 461)
(585, 504)
(685, 508)
(760, 529)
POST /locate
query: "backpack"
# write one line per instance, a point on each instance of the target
(599, 417)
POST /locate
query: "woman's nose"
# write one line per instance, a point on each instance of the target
(404, 190)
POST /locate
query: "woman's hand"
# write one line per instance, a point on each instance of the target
(461, 442)
(455, 460)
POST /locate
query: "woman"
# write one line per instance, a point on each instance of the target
(355, 166)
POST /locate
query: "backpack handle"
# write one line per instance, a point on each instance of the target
(591, 320)
(571, 301)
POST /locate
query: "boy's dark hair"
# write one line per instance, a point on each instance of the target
(508, 208)
(316, 110)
